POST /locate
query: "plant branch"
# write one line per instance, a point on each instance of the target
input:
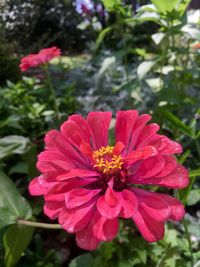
(39, 225)
(53, 94)
(187, 234)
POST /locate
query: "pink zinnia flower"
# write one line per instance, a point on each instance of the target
(43, 57)
(88, 185)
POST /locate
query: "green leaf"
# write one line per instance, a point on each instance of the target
(184, 156)
(110, 4)
(169, 253)
(20, 167)
(175, 121)
(11, 121)
(158, 37)
(12, 204)
(149, 16)
(84, 260)
(164, 6)
(144, 68)
(106, 64)
(184, 193)
(15, 241)
(194, 197)
(195, 173)
(102, 35)
(182, 6)
(191, 31)
(13, 144)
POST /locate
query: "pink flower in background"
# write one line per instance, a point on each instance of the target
(88, 185)
(43, 57)
(196, 45)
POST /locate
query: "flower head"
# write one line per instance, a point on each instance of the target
(43, 57)
(88, 185)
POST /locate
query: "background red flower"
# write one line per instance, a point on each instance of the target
(43, 57)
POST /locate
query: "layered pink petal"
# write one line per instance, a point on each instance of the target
(37, 188)
(58, 191)
(86, 239)
(99, 123)
(137, 129)
(52, 209)
(125, 121)
(150, 167)
(165, 206)
(153, 204)
(170, 166)
(55, 141)
(177, 208)
(106, 210)
(83, 125)
(77, 197)
(72, 133)
(150, 229)
(73, 220)
(49, 161)
(128, 202)
(77, 173)
(165, 146)
(103, 228)
(177, 179)
(141, 154)
(146, 135)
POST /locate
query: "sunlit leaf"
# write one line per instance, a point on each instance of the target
(102, 35)
(144, 68)
(107, 63)
(110, 4)
(195, 173)
(193, 197)
(13, 144)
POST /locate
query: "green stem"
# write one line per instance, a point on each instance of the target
(187, 234)
(198, 148)
(53, 94)
(39, 225)
(189, 241)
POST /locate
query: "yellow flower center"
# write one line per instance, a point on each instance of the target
(105, 160)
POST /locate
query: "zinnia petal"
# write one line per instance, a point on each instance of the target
(77, 197)
(73, 220)
(36, 188)
(105, 229)
(52, 209)
(125, 121)
(150, 229)
(153, 204)
(86, 239)
(99, 123)
(177, 179)
(129, 203)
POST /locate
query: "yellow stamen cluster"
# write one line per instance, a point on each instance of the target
(106, 161)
